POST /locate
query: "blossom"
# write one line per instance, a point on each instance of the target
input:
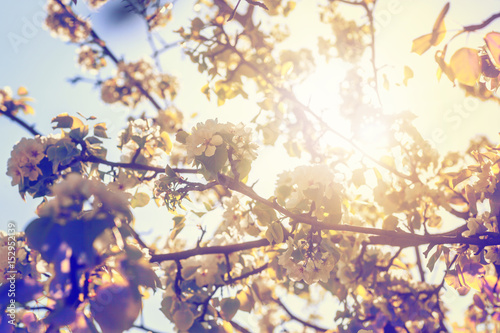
(72, 193)
(95, 4)
(206, 137)
(303, 264)
(65, 24)
(298, 189)
(24, 160)
(160, 17)
(203, 140)
(243, 146)
(8, 263)
(90, 59)
(237, 219)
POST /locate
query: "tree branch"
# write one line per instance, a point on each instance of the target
(247, 274)
(381, 237)
(294, 317)
(223, 249)
(475, 27)
(107, 51)
(134, 166)
(21, 122)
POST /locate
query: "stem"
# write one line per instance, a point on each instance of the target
(294, 317)
(111, 55)
(223, 249)
(479, 26)
(21, 122)
(382, 237)
(248, 274)
(135, 166)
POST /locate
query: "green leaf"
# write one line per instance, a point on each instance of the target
(274, 233)
(358, 177)
(215, 163)
(141, 141)
(434, 258)
(265, 214)
(208, 207)
(461, 176)
(229, 307)
(243, 167)
(181, 137)
(246, 299)
(416, 221)
(168, 143)
(100, 130)
(140, 199)
(390, 223)
(65, 121)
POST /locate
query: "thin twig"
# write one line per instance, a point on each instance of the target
(294, 317)
(21, 122)
(209, 250)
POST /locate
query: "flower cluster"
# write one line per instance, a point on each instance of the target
(90, 59)
(8, 262)
(133, 79)
(311, 189)
(208, 267)
(206, 137)
(160, 17)
(170, 120)
(24, 160)
(65, 24)
(11, 105)
(305, 262)
(74, 193)
(143, 135)
(95, 4)
(480, 224)
(237, 219)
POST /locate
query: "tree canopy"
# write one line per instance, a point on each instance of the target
(320, 207)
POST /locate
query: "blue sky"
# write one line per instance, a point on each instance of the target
(43, 65)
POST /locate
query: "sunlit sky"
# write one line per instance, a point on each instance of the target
(44, 64)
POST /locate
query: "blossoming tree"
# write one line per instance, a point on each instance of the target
(359, 229)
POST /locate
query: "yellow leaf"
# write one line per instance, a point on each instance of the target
(167, 141)
(287, 68)
(408, 75)
(460, 176)
(390, 223)
(246, 299)
(28, 109)
(65, 121)
(206, 91)
(140, 199)
(227, 327)
(493, 43)
(361, 291)
(439, 29)
(423, 43)
(443, 66)
(466, 66)
(358, 177)
(399, 264)
(388, 160)
(386, 82)
(22, 91)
